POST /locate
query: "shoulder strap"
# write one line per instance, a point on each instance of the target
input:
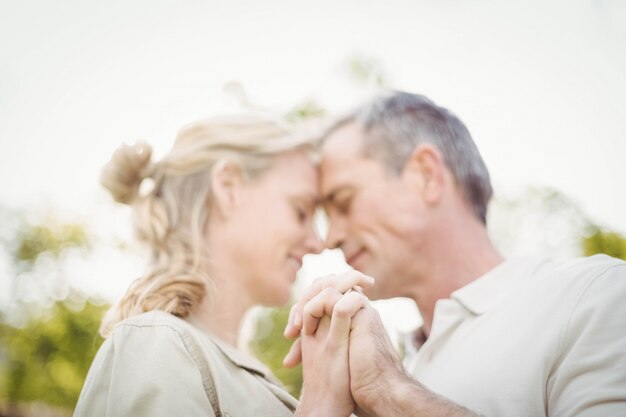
(207, 378)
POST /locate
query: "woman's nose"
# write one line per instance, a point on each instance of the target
(314, 242)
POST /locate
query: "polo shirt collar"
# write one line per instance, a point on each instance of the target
(483, 293)
(233, 354)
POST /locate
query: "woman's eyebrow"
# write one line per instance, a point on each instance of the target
(308, 199)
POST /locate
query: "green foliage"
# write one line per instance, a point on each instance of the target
(306, 110)
(270, 346)
(537, 220)
(609, 243)
(52, 238)
(47, 360)
(366, 71)
(45, 352)
(37, 250)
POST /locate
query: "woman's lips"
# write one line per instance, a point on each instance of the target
(295, 263)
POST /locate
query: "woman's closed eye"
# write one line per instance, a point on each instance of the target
(303, 213)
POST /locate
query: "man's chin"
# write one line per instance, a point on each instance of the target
(380, 289)
(374, 293)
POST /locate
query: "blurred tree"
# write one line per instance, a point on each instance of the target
(270, 346)
(47, 360)
(45, 352)
(305, 110)
(609, 243)
(52, 238)
(35, 251)
(26, 239)
(366, 72)
(539, 220)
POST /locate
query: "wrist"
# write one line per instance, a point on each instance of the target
(318, 410)
(323, 407)
(392, 396)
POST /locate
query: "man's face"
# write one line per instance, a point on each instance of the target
(371, 211)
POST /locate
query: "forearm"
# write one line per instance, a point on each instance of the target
(409, 397)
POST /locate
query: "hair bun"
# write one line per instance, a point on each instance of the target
(123, 174)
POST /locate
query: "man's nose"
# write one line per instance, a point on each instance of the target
(336, 234)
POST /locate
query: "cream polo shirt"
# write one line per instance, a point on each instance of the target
(156, 365)
(532, 338)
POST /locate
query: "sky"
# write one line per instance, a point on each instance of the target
(540, 84)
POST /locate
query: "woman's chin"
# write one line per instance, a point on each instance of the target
(276, 297)
(283, 299)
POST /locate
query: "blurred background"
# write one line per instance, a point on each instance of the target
(540, 84)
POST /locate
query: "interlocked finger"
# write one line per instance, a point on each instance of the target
(319, 306)
(340, 283)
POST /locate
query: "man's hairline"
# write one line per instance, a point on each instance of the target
(345, 122)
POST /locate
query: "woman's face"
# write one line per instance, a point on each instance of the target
(271, 227)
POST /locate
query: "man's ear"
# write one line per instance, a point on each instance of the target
(425, 170)
(226, 183)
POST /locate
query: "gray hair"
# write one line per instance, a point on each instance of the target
(396, 123)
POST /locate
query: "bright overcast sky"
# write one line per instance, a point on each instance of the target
(541, 84)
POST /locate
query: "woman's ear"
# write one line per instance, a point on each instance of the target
(226, 184)
(425, 171)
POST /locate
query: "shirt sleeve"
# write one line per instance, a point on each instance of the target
(589, 378)
(143, 371)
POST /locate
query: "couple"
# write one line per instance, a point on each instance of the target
(228, 215)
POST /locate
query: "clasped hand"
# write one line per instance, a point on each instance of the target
(348, 360)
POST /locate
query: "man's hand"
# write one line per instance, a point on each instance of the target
(378, 383)
(325, 349)
(375, 369)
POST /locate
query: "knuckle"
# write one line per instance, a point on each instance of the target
(341, 311)
(329, 293)
(362, 298)
(329, 283)
(308, 310)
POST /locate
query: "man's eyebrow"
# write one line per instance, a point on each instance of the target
(330, 197)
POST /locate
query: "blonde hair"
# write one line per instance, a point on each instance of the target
(171, 203)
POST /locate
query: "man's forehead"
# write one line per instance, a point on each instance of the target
(340, 157)
(343, 165)
(344, 141)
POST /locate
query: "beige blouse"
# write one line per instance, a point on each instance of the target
(156, 364)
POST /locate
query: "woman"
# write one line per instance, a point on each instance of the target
(227, 215)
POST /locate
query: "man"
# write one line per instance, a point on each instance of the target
(406, 192)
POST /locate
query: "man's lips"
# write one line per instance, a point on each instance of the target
(354, 257)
